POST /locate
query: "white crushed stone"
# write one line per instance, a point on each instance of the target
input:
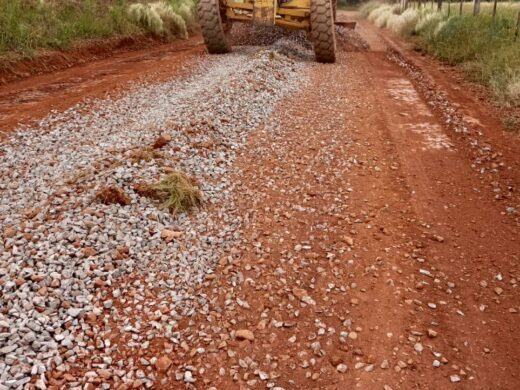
(44, 280)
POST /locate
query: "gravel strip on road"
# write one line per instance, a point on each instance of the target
(60, 249)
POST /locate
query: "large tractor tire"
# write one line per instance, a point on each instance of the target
(214, 28)
(322, 31)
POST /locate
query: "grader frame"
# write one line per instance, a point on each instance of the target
(314, 16)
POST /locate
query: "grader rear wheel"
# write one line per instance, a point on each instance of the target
(214, 26)
(322, 31)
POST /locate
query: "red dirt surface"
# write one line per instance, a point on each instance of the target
(381, 218)
(368, 213)
(33, 97)
(14, 67)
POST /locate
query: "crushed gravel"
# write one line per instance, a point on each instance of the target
(62, 252)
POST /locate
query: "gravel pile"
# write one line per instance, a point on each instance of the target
(62, 252)
(244, 34)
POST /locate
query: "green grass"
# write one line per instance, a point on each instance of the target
(28, 25)
(483, 46)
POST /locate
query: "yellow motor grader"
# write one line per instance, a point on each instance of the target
(314, 16)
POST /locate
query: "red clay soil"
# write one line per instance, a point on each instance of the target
(367, 216)
(381, 247)
(15, 67)
(33, 97)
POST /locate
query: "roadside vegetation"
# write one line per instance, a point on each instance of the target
(483, 46)
(28, 25)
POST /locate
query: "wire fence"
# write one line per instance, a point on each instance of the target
(505, 9)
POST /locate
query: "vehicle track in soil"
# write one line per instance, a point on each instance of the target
(374, 243)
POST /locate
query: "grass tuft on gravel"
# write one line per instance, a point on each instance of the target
(178, 192)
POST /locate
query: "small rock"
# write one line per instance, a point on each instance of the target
(454, 378)
(302, 295)
(188, 377)
(170, 235)
(162, 140)
(163, 363)
(348, 240)
(244, 334)
(74, 312)
(341, 368)
(88, 252)
(10, 232)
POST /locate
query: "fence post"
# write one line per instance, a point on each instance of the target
(449, 8)
(432, 4)
(476, 7)
(439, 5)
(517, 25)
(460, 9)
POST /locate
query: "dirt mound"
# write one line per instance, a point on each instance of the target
(16, 67)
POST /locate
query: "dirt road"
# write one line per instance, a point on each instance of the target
(361, 230)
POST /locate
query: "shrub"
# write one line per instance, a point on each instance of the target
(26, 25)
(405, 23)
(368, 7)
(513, 87)
(483, 45)
(159, 18)
(427, 24)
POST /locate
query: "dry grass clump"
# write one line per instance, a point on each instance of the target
(164, 19)
(513, 88)
(143, 154)
(112, 195)
(380, 15)
(368, 7)
(403, 24)
(178, 192)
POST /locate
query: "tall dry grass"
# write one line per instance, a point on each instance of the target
(164, 18)
(483, 46)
